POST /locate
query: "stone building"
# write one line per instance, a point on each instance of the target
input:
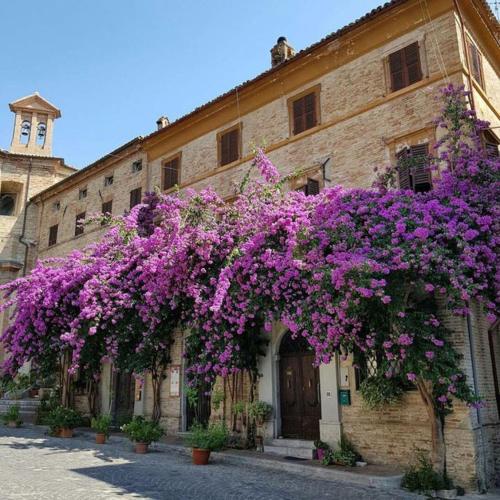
(358, 98)
(27, 168)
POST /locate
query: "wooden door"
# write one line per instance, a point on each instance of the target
(299, 393)
(124, 397)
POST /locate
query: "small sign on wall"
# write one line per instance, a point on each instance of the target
(175, 376)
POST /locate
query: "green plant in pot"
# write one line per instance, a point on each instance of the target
(13, 416)
(101, 425)
(63, 420)
(204, 440)
(143, 432)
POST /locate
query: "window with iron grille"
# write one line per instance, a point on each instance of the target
(476, 62)
(135, 197)
(310, 188)
(137, 166)
(53, 234)
(82, 193)
(79, 228)
(229, 146)
(304, 113)
(171, 173)
(404, 67)
(413, 168)
(108, 180)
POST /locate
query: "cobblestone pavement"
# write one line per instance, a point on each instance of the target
(35, 466)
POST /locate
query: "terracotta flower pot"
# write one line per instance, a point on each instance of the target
(64, 432)
(141, 448)
(200, 456)
(100, 438)
(12, 424)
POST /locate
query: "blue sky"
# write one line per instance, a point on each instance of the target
(114, 66)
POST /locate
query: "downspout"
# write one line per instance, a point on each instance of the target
(482, 478)
(466, 53)
(25, 217)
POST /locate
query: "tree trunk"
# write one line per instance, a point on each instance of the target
(438, 456)
(65, 380)
(156, 381)
(92, 392)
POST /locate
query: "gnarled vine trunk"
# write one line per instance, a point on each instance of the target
(156, 381)
(65, 380)
(438, 451)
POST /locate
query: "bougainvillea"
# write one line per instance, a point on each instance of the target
(357, 271)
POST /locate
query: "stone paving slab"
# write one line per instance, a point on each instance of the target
(37, 466)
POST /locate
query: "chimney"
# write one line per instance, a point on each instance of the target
(281, 51)
(162, 122)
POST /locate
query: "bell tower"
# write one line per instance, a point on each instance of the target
(33, 125)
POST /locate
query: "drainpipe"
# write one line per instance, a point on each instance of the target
(466, 53)
(22, 239)
(482, 478)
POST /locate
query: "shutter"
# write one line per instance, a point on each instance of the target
(491, 149)
(310, 111)
(476, 62)
(171, 173)
(403, 169)
(396, 68)
(53, 235)
(233, 145)
(298, 116)
(79, 229)
(412, 61)
(224, 149)
(312, 187)
(420, 173)
(135, 197)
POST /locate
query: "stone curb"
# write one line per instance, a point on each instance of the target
(310, 471)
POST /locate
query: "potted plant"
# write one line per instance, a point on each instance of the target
(320, 449)
(142, 432)
(13, 417)
(101, 425)
(205, 440)
(62, 421)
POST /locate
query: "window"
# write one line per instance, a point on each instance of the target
(304, 111)
(171, 173)
(41, 133)
(79, 229)
(135, 197)
(413, 168)
(404, 67)
(25, 132)
(82, 193)
(56, 206)
(108, 180)
(53, 234)
(136, 166)
(7, 203)
(476, 62)
(491, 145)
(107, 207)
(310, 188)
(229, 145)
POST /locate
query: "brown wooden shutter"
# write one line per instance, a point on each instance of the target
(403, 169)
(298, 116)
(230, 146)
(491, 145)
(53, 235)
(312, 187)
(412, 62)
(310, 111)
(420, 173)
(171, 173)
(476, 63)
(396, 68)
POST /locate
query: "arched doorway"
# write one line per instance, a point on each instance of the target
(300, 403)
